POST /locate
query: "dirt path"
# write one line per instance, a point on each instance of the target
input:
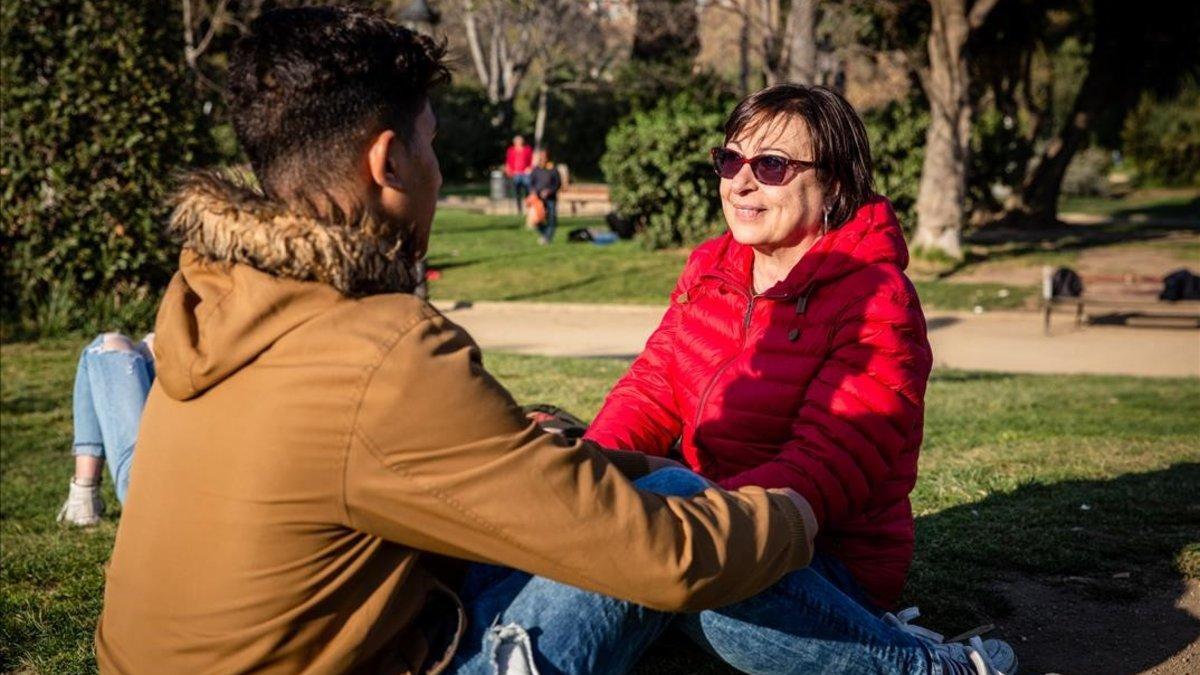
(994, 341)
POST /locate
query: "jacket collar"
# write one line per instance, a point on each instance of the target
(221, 218)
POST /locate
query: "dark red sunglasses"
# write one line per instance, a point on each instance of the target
(767, 169)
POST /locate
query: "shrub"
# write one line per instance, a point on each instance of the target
(98, 113)
(1162, 138)
(1000, 153)
(658, 170)
(897, 135)
(1087, 174)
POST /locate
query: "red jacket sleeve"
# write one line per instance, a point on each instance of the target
(640, 412)
(862, 411)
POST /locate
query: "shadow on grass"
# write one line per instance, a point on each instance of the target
(531, 295)
(1186, 210)
(1080, 576)
(1060, 565)
(1126, 226)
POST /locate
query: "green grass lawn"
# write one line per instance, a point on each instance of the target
(1022, 477)
(484, 257)
(1160, 203)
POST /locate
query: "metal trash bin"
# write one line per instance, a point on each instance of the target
(499, 186)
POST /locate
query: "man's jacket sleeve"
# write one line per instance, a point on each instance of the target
(442, 460)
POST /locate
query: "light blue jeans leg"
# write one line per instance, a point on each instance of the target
(803, 624)
(111, 385)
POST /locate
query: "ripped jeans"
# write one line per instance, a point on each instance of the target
(111, 385)
(814, 620)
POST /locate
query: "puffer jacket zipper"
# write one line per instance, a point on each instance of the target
(751, 299)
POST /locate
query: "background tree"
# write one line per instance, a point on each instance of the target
(941, 198)
(1136, 47)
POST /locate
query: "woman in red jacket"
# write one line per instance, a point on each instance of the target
(794, 354)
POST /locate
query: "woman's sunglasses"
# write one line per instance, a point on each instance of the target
(767, 169)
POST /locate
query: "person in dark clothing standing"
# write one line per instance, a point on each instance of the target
(545, 182)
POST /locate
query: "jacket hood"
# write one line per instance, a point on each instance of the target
(872, 236)
(251, 271)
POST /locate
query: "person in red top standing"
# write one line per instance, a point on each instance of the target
(794, 354)
(518, 161)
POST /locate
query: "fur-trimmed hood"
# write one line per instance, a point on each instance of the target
(252, 272)
(222, 218)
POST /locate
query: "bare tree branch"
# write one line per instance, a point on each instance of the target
(979, 12)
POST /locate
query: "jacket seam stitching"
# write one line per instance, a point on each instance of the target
(385, 349)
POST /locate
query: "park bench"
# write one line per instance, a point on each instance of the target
(1117, 296)
(581, 195)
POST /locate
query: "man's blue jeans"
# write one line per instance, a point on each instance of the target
(111, 386)
(520, 184)
(808, 622)
(547, 228)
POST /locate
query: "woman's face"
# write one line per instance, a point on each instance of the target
(769, 217)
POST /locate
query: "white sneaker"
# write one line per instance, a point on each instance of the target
(83, 507)
(985, 657)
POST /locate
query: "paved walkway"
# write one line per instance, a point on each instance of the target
(993, 341)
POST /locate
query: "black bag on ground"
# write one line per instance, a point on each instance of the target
(1066, 283)
(624, 227)
(579, 234)
(1180, 285)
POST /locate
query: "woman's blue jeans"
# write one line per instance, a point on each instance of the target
(111, 386)
(808, 622)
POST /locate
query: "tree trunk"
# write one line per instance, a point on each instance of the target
(802, 49)
(539, 125)
(1108, 86)
(772, 43)
(744, 55)
(942, 193)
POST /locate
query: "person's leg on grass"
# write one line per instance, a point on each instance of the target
(518, 623)
(551, 219)
(521, 190)
(120, 375)
(83, 505)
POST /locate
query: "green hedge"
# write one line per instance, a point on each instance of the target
(896, 132)
(659, 174)
(98, 113)
(1162, 138)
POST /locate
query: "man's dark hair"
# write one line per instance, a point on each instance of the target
(308, 87)
(839, 140)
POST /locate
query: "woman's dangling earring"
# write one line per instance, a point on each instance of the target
(825, 223)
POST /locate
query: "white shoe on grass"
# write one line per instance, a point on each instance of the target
(83, 507)
(975, 656)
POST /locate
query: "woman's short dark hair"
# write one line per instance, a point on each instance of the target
(839, 140)
(309, 85)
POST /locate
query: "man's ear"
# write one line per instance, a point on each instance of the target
(380, 162)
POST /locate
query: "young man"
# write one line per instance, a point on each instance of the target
(321, 452)
(545, 182)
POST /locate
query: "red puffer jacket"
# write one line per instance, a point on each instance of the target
(817, 384)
